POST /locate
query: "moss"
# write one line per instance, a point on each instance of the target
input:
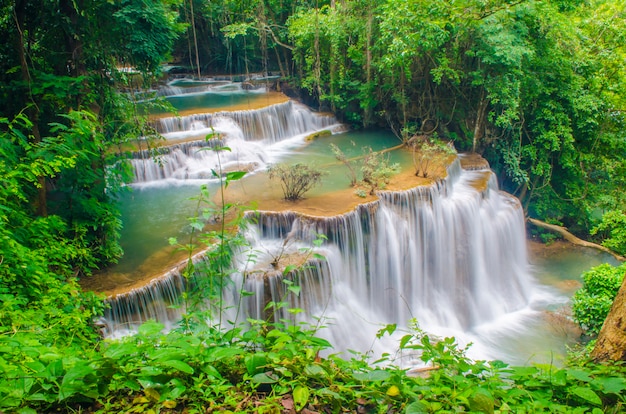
(319, 134)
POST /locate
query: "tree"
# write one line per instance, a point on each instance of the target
(612, 227)
(611, 343)
(70, 56)
(591, 303)
(429, 153)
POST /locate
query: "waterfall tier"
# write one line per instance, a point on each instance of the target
(248, 135)
(452, 255)
(273, 123)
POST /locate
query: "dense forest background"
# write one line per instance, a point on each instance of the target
(537, 87)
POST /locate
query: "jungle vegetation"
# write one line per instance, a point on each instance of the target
(536, 87)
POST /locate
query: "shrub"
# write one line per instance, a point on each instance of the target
(295, 179)
(377, 170)
(429, 154)
(612, 229)
(591, 303)
(341, 157)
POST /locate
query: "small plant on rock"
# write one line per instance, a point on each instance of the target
(341, 157)
(377, 170)
(428, 153)
(295, 179)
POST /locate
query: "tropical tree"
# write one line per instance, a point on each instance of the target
(72, 60)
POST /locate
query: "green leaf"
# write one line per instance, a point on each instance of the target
(178, 365)
(579, 375)
(405, 340)
(313, 370)
(295, 290)
(219, 353)
(150, 328)
(150, 371)
(119, 349)
(374, 375)
(301, 396)
(587, 394)
(611, 385)
(390, 329)
(416, 407)
(255, 363)
(264, 378)
(235, 175)
(482, 401)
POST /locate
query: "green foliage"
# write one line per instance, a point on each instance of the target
(270, 365)
(295, 179)
(429, 154)
(501, 78)
(146, 31)
(46, 321)
(592, 303)
(612, 229)
(266, 365)
(377, 170)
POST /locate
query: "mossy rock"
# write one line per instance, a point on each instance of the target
(319, 134)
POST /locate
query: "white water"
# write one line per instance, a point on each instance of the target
(450, 256)
(255, 138)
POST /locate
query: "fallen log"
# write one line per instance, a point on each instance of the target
(573, 239)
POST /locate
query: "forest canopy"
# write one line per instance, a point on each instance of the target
(537, 87)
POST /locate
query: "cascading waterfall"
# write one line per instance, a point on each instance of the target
(451, 255)
(170, 161)
(448, 255)
(246, 133)
(272, 123)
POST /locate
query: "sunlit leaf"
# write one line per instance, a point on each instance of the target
(301, 396)
(178, 365)
(587, 394)
(235, 175)
(611, 385)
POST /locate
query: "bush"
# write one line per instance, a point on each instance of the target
(295, 179)
(377, 170)
(592, 303)
(612, 229)
(429, 154)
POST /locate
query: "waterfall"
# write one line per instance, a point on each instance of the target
(449, 255)
(272, 123)
(452, 255)
(247, 134)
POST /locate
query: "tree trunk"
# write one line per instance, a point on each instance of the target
(195, 39)
(32, 110)
(368, 61)
(317, 66)
(611, 343)
(573, 239)
(479, 123)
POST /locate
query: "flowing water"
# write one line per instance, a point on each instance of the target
(451, 254)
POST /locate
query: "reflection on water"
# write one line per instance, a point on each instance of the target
(560, 264)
